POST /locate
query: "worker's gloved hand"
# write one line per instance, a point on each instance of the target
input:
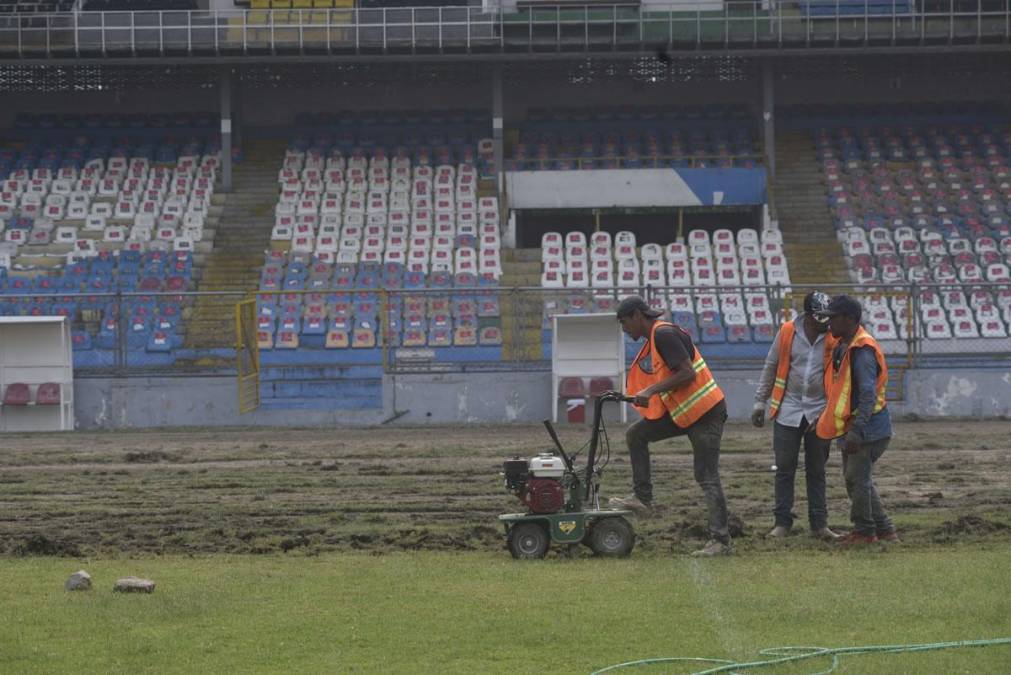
(851, 444)
(641, 401)
(758, 417)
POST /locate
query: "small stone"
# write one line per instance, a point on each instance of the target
(79, 581)
(133, 585)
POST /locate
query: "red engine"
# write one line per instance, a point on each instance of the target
(543, 495)
(538, 482)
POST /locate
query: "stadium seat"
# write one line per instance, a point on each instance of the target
(965, 328)
(17, 394)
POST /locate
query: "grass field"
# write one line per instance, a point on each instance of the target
(376, 550)
(481, 612)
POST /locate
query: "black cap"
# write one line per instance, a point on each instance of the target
(634, 302)
(844, 305)
(816, 305)
(816, 302)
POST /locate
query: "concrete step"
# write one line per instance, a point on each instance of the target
(809, 240)
(243, 235)
(521, 314)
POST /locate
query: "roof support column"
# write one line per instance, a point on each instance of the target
(497, 129)
(225, 89)
(768, 116)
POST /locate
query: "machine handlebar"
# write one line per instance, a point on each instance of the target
(616, 396)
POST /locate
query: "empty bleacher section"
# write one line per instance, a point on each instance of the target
(925, 204)
(716, 287)
(636, 138)
(380, 236)
(107, 220)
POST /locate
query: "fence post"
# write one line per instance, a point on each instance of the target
(384, 319)
(914, 324)
(121, 335)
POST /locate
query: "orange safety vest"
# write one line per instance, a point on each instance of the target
(837, 417)
(786, 333)
(685, 405)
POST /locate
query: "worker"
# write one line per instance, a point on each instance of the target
(855, 411)
(793, 385)
(677, 396)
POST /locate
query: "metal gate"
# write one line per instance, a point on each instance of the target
(247, 356)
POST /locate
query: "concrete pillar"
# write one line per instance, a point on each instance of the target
(226, 130)
(497, 128)
(768, 116)
(238, 108)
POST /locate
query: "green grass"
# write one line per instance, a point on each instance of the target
(476, 612)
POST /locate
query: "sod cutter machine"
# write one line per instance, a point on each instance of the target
(561, 507)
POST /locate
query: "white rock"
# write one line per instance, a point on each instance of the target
(133, 585)
(79, 581)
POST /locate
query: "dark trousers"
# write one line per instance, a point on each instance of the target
(705, 436)
(866, 511)
(786, 443)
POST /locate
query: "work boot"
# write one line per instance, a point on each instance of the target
(713, 548)
(630, 503)
(890, 537)
(855, 539)
(825, 534)
(778, 532)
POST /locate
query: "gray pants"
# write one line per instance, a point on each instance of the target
(705, 436)
(786, 447)
(866, 511)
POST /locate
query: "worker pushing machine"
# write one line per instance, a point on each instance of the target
(793, 385)
(676, 395)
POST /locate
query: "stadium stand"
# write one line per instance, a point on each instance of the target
(925, 205)
(626, 138)
(725, 279)
(105, 205)
(360, 214)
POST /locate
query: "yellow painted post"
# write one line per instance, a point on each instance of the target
(247, 356)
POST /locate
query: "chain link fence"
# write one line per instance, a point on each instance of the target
(490, 328)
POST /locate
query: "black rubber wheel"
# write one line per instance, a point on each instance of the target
(528, 541)
(612, 537)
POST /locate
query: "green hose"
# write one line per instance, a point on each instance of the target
(789, 654)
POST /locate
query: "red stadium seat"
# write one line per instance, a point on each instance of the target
(17, 393)
(48, 393)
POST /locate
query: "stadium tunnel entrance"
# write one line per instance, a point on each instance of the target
(652, 226)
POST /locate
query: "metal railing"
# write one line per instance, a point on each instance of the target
(469, 30)
(125, 349)
(643, 160)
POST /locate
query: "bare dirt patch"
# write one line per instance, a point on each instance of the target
(305, 491)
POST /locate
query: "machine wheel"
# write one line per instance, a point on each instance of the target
(528, 541)
(612, 537)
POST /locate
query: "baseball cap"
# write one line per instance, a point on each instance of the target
(634, 302)
(844, 305)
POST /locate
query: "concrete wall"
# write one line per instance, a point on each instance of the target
(108, 403)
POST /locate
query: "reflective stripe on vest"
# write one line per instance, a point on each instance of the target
(786, 334)
(837, 417)
(685, 405)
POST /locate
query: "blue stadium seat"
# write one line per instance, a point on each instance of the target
(713, 334)
(764, 333)
(738, 334)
